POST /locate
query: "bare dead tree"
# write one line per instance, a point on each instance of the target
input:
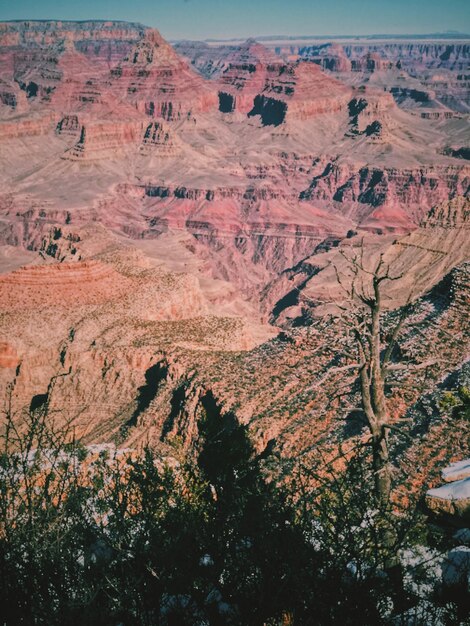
(363, 313)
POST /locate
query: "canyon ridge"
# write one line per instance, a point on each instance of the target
(174, 221)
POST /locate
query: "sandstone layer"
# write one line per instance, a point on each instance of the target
(173, 228)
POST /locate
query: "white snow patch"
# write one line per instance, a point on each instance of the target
(462, 536)
(96, 448)
(456, 568)
(458, 490)
(422, 569)
(456, 471)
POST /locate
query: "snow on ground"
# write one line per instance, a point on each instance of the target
(458, 490)
(456, 471)
(456, 568)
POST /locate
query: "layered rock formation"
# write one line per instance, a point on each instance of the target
(254, 81)
(159, 83)
(429, 54)
(101, 139)
(37, 287)
(159, 226)
(430, 76)
(427, 74)
(418, 189)
(158, 139)
(22, 33)
(113, 315)
(18, 127)
(209, 60)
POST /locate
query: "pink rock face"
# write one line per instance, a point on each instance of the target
(254, 80)
(159, 211)
(39, 124)
(79, 81)
(332, 57)
(8, 356)
(46, 33)
(36, 287)
(100, 139)
(159, 83)
(158, 139)
(418, 190)
(421, 75)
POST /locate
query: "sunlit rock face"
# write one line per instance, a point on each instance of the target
(255, 81)
(171, 222)
(428, 76)
(159, 82)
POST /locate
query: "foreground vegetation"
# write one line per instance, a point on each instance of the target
(93, 537)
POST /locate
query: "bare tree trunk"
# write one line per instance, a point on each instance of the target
(374, 404)
(381, 467)
(379, 431)
(364, 293)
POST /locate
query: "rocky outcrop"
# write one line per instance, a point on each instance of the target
(158, 140)
(17, 128)
(417, 190)
(58, 75)
(452, 214)
(60, 285)
(68, 125)
(186, 211)
(316, 93)
(371, 62)
(453, 498)
(209, 60)
(456, 471)
(333, 58)
(101, 140)
(111, 330)
(12, 96)
(8, 356)
(369, 115)
(254, 81)
(370, 56)
(418, 74)
(48, 32)
(61, 245)
(159, 83)
(246, 73)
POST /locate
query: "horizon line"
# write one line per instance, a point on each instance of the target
(448, 34)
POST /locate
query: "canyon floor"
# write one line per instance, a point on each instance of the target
(173, 221)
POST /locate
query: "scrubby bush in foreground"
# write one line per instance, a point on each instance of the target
(92, 538)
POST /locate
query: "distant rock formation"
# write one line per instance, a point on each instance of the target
(163, 218)
(256, 82)
(159, 83)
(100, 140)
(157, 139)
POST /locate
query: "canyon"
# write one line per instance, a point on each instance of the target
(173, 218)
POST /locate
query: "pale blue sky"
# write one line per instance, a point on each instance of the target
(199, 19)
